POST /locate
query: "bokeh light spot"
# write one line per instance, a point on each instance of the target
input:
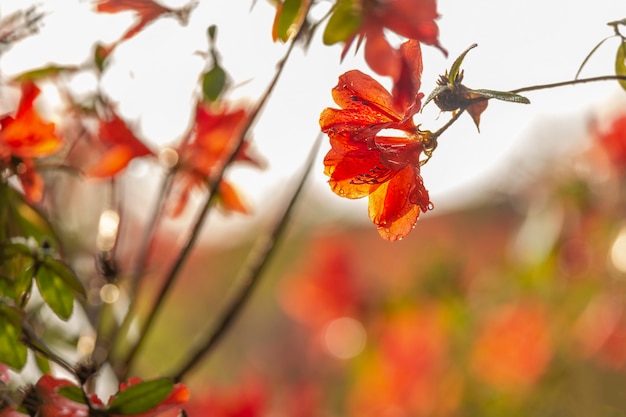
(344, 338)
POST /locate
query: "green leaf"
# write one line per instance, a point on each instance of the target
(72, 392)
(502, 95)
(213, 83)
(343, 23)
(620, 62)
(12, 352)
(55, 292)
(45, 72)
(28, 221)
(141, 397)
(43, 364)
(287, 18)
(65, 273)
(456, 66)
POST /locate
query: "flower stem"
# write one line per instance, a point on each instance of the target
(251, 272)
(570, 82)
(202, 216)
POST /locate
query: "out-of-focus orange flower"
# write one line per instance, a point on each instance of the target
(409, 373)
(386, 168)
(328, 288)
(248, 399)
(26, 136)
(514, 347)
(147, 10)
(613, 142)
(121, 146)
(204, 151)
(600, 332)
(412, 19)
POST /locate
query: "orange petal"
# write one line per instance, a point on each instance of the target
(112, 162)
(31, 182)
(231, 199)
(395, 206)
(356, 90)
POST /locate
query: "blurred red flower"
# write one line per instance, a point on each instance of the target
(385, 168)
(408, 373)
(513, 348)
(412, 19)
(247, 399)
(147, 10)
(120, 147)
(613, 142)
(25, 136)
(204, 151)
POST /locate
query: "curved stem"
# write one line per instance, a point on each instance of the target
(142, 258)
(571, 82)
(251, 272)
(202, 216)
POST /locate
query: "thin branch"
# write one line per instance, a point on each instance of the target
(571, 82)
(252, 271)
(202, 216)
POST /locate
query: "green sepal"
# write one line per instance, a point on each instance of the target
(343, 23)
(456, 66)
(12, 352)
(620, 62)
(141, 397)
(440, 89)
(213, 83)
(501, 95)
(287, 17)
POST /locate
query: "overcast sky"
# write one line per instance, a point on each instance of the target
(520, 43)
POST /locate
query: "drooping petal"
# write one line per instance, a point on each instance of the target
(412, 19)
(31, 181)
(406, 86)
(379, 54)
(396, 205)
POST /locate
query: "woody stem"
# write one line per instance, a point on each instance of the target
(202, 216)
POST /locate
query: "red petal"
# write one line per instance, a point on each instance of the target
(112, 162)
(231, 199)
(395, 206)
(406, 87)
(358, 91)
(379, 54)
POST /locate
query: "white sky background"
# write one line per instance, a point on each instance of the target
(520, 43)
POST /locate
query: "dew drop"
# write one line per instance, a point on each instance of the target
(431, 206)
(341, 191)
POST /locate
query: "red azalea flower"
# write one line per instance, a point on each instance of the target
(147, 10)
(56, 405)
(385, 168)
(412, 19)
(121, 146)
(26, 136)
(204, 151)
